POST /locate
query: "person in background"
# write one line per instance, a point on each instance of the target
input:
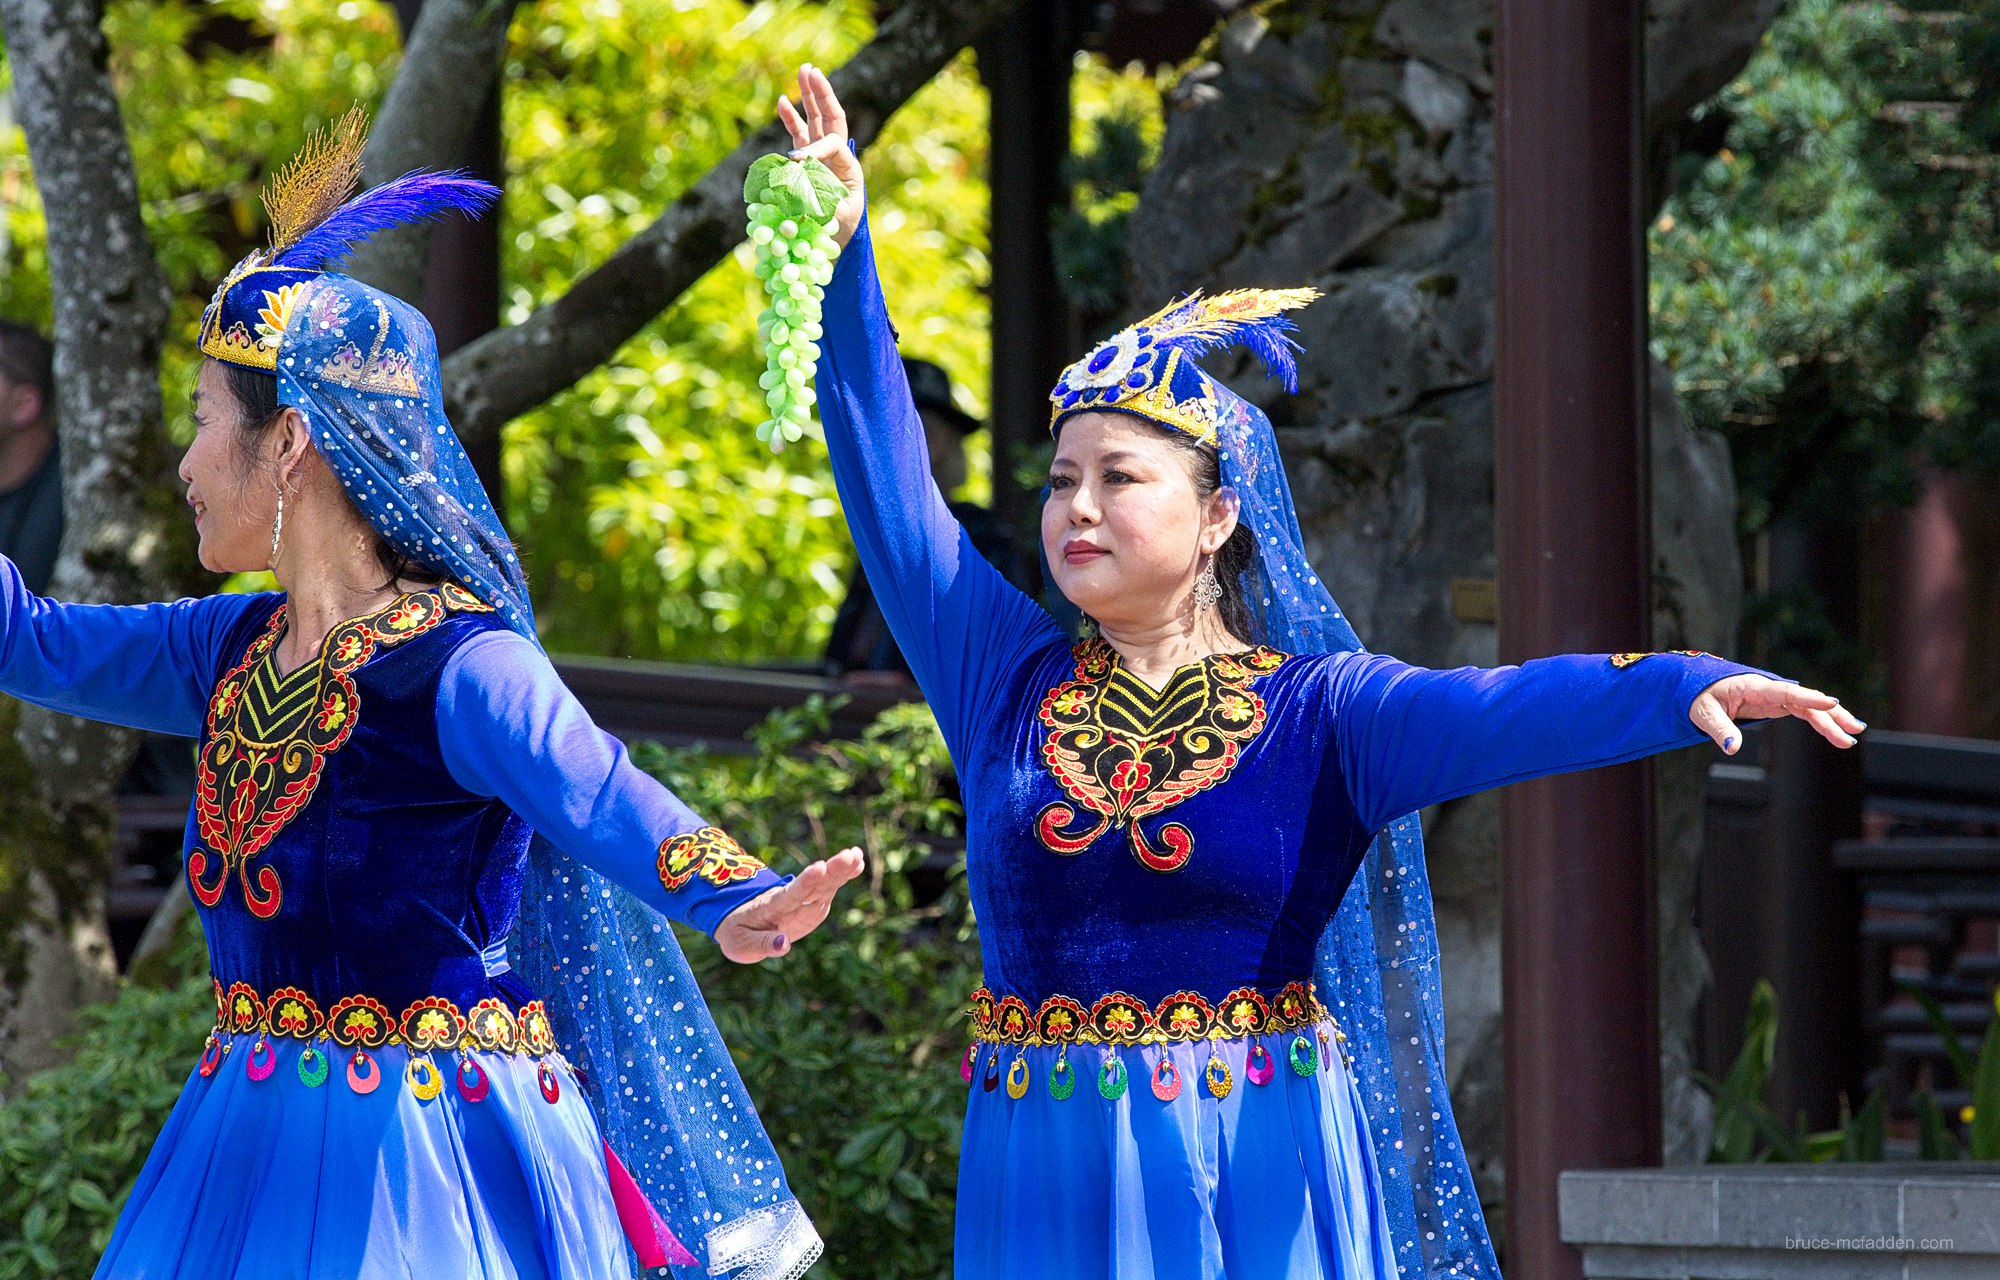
(860, 640)
(31, 511)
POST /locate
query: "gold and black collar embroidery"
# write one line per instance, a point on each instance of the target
(268, 737)
(1125, 752)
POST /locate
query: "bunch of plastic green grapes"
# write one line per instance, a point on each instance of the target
(791, 204)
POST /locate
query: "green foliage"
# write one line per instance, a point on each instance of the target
(655, 523)
(1118, 125)
(849, 1044)
(1736, 1126)
(213, 93)
(1825, 277)
(1747, 1131)
(1745, 1128)
(73, 1139)
(1980, 1075)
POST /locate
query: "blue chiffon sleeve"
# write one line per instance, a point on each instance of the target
(960, 624)
(149, 666)
(510, 729)
(1408, 737)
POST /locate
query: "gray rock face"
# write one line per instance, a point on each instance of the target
(1348, 144)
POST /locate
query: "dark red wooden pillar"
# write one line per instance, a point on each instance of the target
(1571, 488)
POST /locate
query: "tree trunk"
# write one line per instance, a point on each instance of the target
(1348, 144)
(125, 539)
(451, 61)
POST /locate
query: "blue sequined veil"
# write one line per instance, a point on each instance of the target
(361, 367)
(1378, 965)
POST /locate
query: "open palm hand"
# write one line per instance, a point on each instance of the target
(766, 926)
(1749, 697)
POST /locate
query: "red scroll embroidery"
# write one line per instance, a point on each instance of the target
(1124, 752)
(268, 737)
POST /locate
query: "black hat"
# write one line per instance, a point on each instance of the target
(930, 387)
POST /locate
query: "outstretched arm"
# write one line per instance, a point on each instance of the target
(961, 625)
(144, 666)
(511, 729)
(1408, 737)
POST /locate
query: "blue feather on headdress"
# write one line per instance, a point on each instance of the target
(313, 222)
(415, 197)
(1250, 318)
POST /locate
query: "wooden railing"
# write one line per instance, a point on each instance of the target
(1929, 871)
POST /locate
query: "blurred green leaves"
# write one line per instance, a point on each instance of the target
(654, 523)
(1826, 274)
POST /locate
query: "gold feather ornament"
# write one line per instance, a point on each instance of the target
(316, 181)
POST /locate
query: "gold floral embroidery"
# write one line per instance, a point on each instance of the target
(1124, 752)
(276, 311)
(707, 852)
(1124, 1019)
(363, 1022)
(268, 737)
(1624, 660)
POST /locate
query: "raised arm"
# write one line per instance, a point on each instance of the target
(960, 624)
(1408, 737)
(510, 729)
(146, 666)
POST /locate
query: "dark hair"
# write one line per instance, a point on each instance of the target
(27, 358)
(1236, 556)
(256, 394)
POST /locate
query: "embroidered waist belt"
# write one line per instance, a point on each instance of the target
(1121, 1019)
(362, 1022)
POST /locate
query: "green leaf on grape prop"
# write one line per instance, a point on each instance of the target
(791, 204)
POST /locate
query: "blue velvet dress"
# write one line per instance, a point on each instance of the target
(1155, 1089)
(381, 1097)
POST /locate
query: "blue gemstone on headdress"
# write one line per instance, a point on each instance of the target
(1105, 355)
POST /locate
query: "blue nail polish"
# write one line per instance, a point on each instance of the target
(1729, 744)
(796, 155)
(778, 943)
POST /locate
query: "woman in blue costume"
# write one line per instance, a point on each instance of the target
(402, 984)
(1175, 826)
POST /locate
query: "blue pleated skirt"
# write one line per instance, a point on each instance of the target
(1267, 1180)
(273, 1180)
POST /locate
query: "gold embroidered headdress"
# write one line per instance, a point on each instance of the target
(314, 224)
(1149, 369)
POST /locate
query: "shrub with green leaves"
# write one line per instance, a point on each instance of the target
(73, 1139)
(849, 1044)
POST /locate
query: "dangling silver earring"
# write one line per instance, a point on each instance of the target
(1207, 591)
(278, 528)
